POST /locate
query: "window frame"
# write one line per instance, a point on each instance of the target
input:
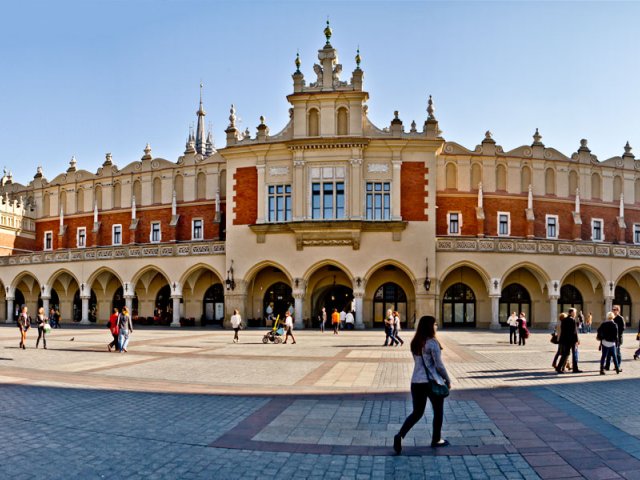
(508, 215)
(193, 229)
(459, 221)
(322, 205)
(49, 234)
(593, 222)
(287, 201)
(113, 234)
(636, 229)
(385, 196)
(557, 227)
(84, 243)
(151, 231)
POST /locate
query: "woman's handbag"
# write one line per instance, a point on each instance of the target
(437, 389)
(554, 338)
(638, 336)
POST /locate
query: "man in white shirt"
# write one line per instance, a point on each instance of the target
(512, 321)
(343, 317)
(349, 321)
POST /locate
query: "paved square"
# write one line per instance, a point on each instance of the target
(189, 403)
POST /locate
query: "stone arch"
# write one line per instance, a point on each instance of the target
(313, 122)
(92, 278)
(550, 181)
(144, 270)
(538, 273)
(199, 266)
(259, 279)
(473, 266)
(62, 203)
(596, 186)
(147, 282)
(573, 182)
(451, 176)
(137, 191)
(46, 205)
(381, 274)
(54, 276)
(21, 276)
(157, 190)
(178, 187)
(325, 263)
(342, 121)
(328, 285)
(476, 175)
(617, 188)
(201, 186)
(97, 195)
(251, 273)
(196, 283)
(464, 279)
(595, 277)
(501, 177)
(105, 282)
(392, 262)
(525, 179)
(80, 203)
(117, 195)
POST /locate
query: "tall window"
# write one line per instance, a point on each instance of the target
(327, 200)
(117, 195)
(525, 179)
(515, 298)
(201, 186)
(155, 235)
(279, 203)
(178, 187)
(454, 223)
(636, 233)
(314, 123)
(451, 176)
(157, 190)
(137, 192)
(48, 240)
(501, 177)
(596, 185)
(81, 237)
(343, 121)
(196, 229)
(116, 234)
(550, 182)
(476, 175)
(552, 226)
(378, 201)
(596, 230)
(504, 227)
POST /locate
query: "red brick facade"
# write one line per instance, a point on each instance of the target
(245, 196)
(413, 194)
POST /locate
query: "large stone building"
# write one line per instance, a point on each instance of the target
(332, 211)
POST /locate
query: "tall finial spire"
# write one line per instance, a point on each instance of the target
(298, 62)
(200, 138)
(358, 59)
(431, 109)
(327, 33)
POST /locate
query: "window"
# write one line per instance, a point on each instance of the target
(313, 123)
(196, 229)
(504, 224)
(597, 235)
(81, 237)
(327, 200)
(279, 203)
(552, 226)
(48, 240)
(155, 232)
(451, 176)
(116, 235)
(454, 221)
(636, 233)
(378, 201)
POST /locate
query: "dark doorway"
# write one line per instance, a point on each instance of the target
(17, 304)
(570, 297)
(339, 297)
(213, 305)
(389, 296)
(459, 307)
(515, 298)
(77, 307)
(279, 297)
(623, 299)
(163, 310)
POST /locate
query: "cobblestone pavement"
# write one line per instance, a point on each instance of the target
(189, 403)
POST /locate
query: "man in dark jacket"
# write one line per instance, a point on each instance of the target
(619, 321)
(569, 341)
(608, 336)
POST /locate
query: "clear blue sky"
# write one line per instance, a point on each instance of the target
(88, 77)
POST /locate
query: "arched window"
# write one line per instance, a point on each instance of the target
(623, 300)
(573, 182)
(117, 195)
(617, 188)
(137, 191)
(46, 205)
(636, 190)
(313, 127)
(80, 200)
(596, 186)
(501, 178)
(459, 306)
(515, 298)
(98, 196)
(223, 184)
(178, 187)
(157, 190)
(476, 176)
(343, 121)
(550, 182)
(525, 179)
(570, 297)
(389, 296)
(451, 176)
(201, 186)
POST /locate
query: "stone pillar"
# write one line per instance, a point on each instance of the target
(298, 297)
(128, 301)
(357, 297)
(10, 311)
(299, 212)
(553, 311)
(85, 311)
(495, 312)
(395, 190)
(608, 304)
(235, 299)
(261, 192)
(45, 304)
(356, 189)
(175, 321)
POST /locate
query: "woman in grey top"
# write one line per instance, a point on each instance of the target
(428, 366)
(124, 329)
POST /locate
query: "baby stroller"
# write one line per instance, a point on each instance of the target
(275, 334)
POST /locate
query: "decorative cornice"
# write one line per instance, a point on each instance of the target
(328, 142)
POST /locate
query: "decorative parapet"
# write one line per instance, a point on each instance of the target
(541, 247)
(114, 253)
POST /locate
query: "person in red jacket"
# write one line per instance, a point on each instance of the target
(113, 327)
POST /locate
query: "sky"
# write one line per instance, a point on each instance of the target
(89, 77)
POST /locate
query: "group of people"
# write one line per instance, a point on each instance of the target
(392, 329)
(339, 320)
(121, 328)
(42, 323)
(518, 331)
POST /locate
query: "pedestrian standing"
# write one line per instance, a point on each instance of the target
(236, 322)
(41, 322)
(588, 321)
(569, 340)
(619, 321)
(125, 328)
(24, 323)
(388, 330)
(512, 321)
(396, 327)
(428, 370)
(580, 322)
(523, 331)
(608, 336)
(558, 332)
(335, 321)
(288, 325)
(323, 319)
(113, 328)
(52, 317)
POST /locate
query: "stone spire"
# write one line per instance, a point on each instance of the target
(209, 150)
(200, 138)
(232, 131)
(431, 128)
(537, 139)
(147, 153)
(627, 152)
(72, 164)
(108, 160)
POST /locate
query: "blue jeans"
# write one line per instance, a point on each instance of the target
(616, 354)
(123, 339)
(607, 354)
(389, 335)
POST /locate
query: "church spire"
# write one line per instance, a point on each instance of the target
(200, 138)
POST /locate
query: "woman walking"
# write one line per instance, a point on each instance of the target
(389, 321)
(428, 370)
(562, 316)
(113, 328)
(523, 332)
(41, 321)
(335, 321)
(236, 321)
(288, 325)
(24, 322)
(396, 327)
(124, 329)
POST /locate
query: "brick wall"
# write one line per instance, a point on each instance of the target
(245, 196)
(413, 196)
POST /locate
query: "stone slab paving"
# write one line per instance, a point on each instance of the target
(188, 404)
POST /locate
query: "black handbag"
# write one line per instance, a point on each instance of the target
(554, 338)
(437, 389)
